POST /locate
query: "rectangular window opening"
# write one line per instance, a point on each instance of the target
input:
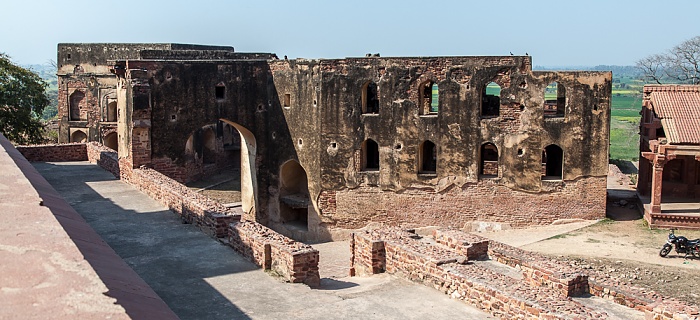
(287, 100)
(220, 92)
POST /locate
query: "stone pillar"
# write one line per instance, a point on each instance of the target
(656, 183)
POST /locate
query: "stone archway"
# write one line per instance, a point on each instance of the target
(249, 181)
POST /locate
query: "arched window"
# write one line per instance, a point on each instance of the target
(491, 100)
(370, 155)
(370, 98)
(112, 111)
(428, 97)
(554, 100)
(489, 160)
(110, 141)
(552, 162)
(78, 136)
(75, 99)
(427, 157)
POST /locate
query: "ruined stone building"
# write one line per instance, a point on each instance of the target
(669, 166)
(329, 145)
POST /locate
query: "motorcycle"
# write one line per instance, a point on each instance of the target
(682, 245)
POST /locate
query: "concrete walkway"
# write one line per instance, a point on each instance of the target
(201, 279)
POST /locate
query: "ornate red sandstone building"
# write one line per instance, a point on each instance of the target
(328, 145)
(669, 166)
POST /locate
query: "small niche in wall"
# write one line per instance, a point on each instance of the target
(287, 100)
(220, 92)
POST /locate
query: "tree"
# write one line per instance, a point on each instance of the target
(681, 64)
(22, 101)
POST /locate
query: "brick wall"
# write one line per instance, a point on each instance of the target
(410, 256)
(209, 215)
(539, 270)
(104, 157)
(444, 261)
(294, 261)
(54, 152)
(456, 206)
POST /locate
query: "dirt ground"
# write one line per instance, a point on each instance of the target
(622, 246)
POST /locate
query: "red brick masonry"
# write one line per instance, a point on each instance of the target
(54, 152)
(294, 261)
(458, 264)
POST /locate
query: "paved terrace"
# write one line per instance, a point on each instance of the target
(199, 278)
(52, 264)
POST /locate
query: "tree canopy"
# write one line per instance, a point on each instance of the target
(681, 64)
(22, 100)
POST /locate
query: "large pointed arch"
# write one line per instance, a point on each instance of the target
(249, 181)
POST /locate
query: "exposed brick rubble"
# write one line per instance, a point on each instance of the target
(539, 270)
(54, 152)
(452, 262)
(294, 261)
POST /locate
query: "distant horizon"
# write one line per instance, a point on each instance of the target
(590, 33)
(534, 67)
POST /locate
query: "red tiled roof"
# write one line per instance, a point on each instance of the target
(678, 107)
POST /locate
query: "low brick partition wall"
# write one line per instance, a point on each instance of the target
(294, 261)
(540, 270)
(444, 262)
(467, 244)
(104, 157)
(447, 269)
(54, 152)
(209, 215)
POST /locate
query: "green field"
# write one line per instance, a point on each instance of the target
(624, 140)
(624, 125)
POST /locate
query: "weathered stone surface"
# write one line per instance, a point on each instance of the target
(320, 113)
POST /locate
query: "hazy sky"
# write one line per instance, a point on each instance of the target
(555, 32)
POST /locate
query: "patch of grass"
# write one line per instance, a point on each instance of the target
(559, 236)
(633, 120)
(606, 221)
(624, 140)
(625, 113)
(589, 240)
